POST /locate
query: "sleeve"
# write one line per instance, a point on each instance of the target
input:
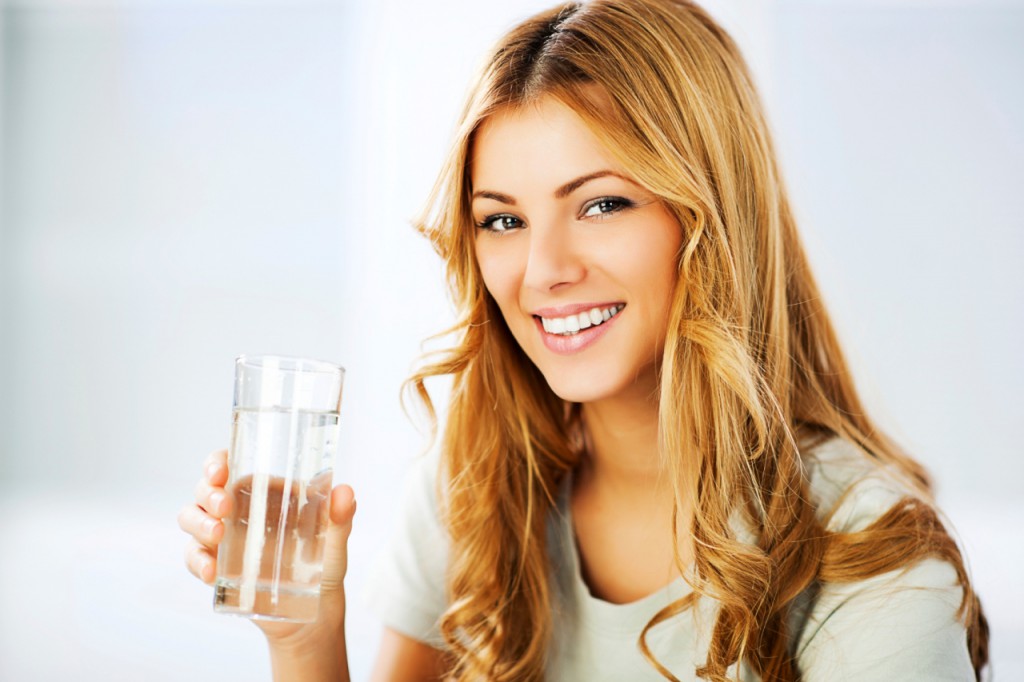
(901, 625)
(898, 626)
(406, 589)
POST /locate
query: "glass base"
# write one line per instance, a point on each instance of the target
(261, 602)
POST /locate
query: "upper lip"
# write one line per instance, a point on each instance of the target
(571, 309)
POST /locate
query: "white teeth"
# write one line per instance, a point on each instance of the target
(571, 324)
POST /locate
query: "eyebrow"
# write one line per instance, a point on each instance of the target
(560, 193)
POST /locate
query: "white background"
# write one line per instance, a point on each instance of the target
(187, 181)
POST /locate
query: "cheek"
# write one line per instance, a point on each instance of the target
(653, 268)
(664, 272)
(499, 273)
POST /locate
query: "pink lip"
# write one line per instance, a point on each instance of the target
(568, 345)
(571, 309)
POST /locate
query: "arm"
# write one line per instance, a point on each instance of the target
(317, 652)
(901, 625)
(313, 660)
(311, 652)
(408, 590)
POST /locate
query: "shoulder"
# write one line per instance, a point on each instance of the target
(900, 624)
(848, 487)
(407, 586)
(903, 624)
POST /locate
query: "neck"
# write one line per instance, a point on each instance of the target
(622, 444)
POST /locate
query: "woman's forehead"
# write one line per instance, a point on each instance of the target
(540, 143)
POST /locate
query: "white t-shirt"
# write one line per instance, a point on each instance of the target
(897, 626)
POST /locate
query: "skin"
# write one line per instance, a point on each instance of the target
(313, 651)
(605, 239)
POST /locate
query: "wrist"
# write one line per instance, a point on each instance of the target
(315, 652)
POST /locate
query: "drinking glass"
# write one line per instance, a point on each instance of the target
(283, 443)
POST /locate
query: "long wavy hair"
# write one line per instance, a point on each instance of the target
(752, 371)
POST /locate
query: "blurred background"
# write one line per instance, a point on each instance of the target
(183, 182)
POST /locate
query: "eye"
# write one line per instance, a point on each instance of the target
(503, 222)
(604, 206)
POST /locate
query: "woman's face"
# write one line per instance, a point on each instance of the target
(579, 258)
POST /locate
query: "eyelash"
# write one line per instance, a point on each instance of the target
(618, 204)
(486, 223)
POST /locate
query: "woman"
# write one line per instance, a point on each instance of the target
(655, 464)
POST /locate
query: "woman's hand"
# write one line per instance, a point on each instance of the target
(203, 519)
(310, 650)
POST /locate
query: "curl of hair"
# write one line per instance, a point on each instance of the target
(752, 372)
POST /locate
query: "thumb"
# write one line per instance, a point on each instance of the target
(343, 508)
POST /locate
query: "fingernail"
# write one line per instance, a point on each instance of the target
(216, 501)
(212, 470)
(209, 525)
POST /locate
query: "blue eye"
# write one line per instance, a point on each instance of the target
(500, 223)
(604, 206)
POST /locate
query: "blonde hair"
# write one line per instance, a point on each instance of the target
(752, 371)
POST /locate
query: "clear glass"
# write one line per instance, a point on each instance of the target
(283, 442)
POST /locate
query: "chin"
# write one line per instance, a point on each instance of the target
(584, 389)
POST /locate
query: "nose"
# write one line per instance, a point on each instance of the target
(554, 258)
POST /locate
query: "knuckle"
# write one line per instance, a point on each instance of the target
(213, 537)
(215, 457)
(183, 518)
(195, 558)
(202, 491)
(189, 557)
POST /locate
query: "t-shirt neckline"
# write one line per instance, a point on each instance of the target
(596, 613)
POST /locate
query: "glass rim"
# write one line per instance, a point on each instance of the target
(291, 363)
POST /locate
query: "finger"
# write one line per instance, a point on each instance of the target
(343, 509)
(215, 467)
(200, 562)
(207, 530)
(343, 505)
(216, 457)
(212, 499)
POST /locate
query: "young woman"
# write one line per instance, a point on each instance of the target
(655, 464)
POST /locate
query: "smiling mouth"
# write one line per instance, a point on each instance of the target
(574, 324)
